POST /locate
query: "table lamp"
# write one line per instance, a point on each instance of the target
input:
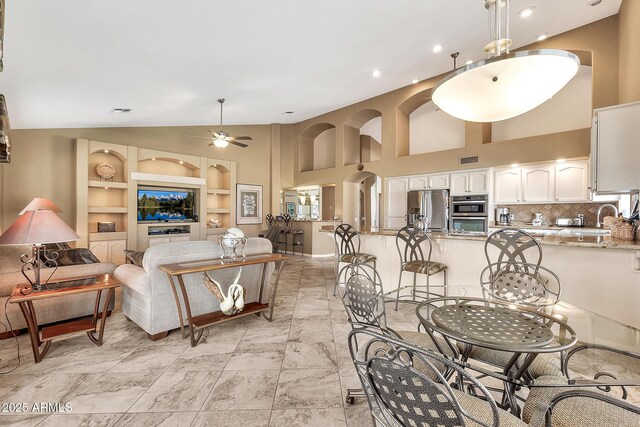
(37, 225)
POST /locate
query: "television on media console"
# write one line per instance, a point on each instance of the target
(166, 204)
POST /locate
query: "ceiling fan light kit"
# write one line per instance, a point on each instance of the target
(506, 84)
(222, 139)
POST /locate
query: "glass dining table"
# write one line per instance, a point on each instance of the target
(525, 333)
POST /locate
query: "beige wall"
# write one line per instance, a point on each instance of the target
(43, 161)
(596, 44)
(629, 46)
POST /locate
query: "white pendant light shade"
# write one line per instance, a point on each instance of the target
(505, 86)
(220, 142)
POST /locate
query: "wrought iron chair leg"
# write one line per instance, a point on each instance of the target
(398, 291)
(415, 276)
(446, 283)
(352, 393)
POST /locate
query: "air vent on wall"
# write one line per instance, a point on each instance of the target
(467, 160)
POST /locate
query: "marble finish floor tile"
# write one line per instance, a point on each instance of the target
(255, 356)
(237, 390)
(85, 420)
(308, 417)
(254, 418)
(311, 329)
(28, 420)
(162, 419)
(177, 391)
(310, 355)
(149, 359)
(113, 392)
(262, 332)
(207, 356)
(308, 388)
(358, 416)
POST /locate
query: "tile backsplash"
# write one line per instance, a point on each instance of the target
(551, 211)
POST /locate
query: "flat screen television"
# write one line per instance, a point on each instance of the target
(166, 205)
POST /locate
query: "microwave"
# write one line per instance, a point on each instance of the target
(470, 205)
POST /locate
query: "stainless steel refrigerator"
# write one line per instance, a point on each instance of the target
(432, 206)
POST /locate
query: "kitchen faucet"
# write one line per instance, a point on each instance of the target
(607, 205)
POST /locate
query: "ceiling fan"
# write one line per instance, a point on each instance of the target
(221, 138)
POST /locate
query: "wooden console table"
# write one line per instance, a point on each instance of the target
(62, 288)
(198, 323)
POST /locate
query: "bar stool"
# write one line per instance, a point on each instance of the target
(348, 249)
(297, 239)
(285, 230)
(412, 259)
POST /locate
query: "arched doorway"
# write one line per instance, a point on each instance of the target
(361, 200)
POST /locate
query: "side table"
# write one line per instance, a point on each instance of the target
(41, 338)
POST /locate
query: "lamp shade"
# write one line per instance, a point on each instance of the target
(220, 142)
(505, 86)
(41, 203)
(38, 227)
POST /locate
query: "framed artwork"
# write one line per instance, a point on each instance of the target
(248, 204)
(291, 209)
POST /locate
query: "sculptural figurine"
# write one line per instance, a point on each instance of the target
(233, 302)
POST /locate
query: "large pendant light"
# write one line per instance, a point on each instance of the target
(506, 84)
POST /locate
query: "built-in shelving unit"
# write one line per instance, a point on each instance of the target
(115, 200)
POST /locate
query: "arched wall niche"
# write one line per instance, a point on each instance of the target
(363, 137)
(424, 128)
(318, 147)
(361, 199)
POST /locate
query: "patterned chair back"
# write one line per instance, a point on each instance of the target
(362, 297)
(513, 246)
(270, 220)
(404, 385)
(347, 240)
(409, 243)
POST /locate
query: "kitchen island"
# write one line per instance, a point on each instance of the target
(598, 273)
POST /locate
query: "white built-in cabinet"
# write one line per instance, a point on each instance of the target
(572, 181)
(109, 250)
(542, 183)
(537, 183)
(474, 182)
(396, 202)
(437, 181)
(155, 241)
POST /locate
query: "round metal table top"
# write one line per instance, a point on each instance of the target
(493, 326)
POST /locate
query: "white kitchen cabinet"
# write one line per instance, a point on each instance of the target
(537, 183)
(109, 250)
(438, 181)
(508, 185)
(474, 182)
(614, 149)
(572, 181)
(396, 201)
(417, 183)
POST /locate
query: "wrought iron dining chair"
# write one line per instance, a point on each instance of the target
(273, 235)
(270, 220)
(285, 231)
(364, 303)
(529, 285)
(405, 386)
(413, 259)
(347, 242)
(508, 245)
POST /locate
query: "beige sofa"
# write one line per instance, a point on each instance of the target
(147, 298)
(49, 310)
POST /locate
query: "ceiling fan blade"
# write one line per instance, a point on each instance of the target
(211, 131)
(194, 136)
(239, 144)
(242, 138)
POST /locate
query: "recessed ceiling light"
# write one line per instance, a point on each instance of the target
(153, 158)
(106, 151)
(526, 12)
(542, 37)
(376, 73)
(560, 160)
(121, 110)
(469, 62)
(437, 48)
(514, 165)
(414, 81)
(595, 2)
(181, 162)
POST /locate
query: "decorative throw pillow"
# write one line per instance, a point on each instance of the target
(134, 257)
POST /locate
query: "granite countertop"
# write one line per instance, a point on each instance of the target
(580, 241)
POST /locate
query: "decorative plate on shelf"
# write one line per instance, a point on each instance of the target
(105, 171)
